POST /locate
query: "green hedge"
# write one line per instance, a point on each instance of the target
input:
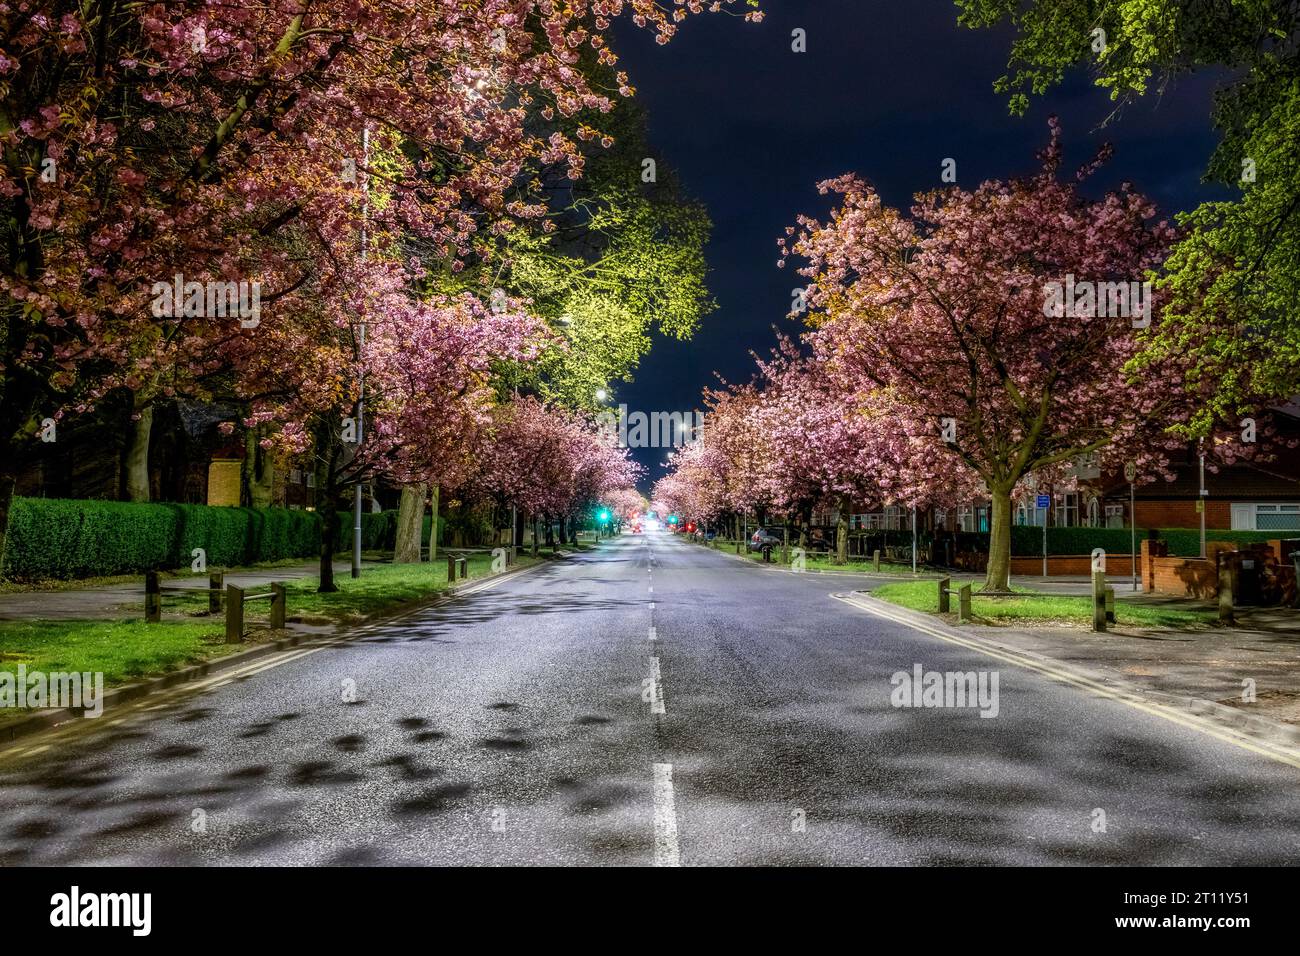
(58, 538)
(1027, 540)
(1186, 542)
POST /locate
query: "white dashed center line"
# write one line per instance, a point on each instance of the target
(666, 851)
(657, 689)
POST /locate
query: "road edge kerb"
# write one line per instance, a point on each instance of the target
(20, 729)
(1270, 738)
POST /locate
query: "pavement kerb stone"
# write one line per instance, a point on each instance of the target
(1272, 733)
(18, 729)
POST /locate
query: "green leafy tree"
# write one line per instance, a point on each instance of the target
(1233, 281)
(620, 257)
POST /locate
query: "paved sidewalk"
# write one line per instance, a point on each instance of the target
(1207, 664)
(1211, 665)
(112, 601)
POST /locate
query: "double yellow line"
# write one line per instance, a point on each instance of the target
(1277, 752)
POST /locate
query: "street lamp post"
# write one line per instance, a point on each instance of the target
(1201, 502)
(361, 346)
(914, 539)
(1130, 472)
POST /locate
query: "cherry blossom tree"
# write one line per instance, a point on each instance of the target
(961, 311)
(224, 141)
(795, 439)
(550, 463)
(828, 445)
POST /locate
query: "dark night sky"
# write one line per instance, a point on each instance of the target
(888, 89)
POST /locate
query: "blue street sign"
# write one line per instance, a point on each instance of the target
(1044, 501)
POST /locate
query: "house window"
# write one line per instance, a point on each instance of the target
(893, 518)
(1094, 513)
(1278, 517)
(1028, 513)
(973, 519)
(1114, 516)
(1067, 510)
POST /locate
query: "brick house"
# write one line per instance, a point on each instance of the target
(1243, 497)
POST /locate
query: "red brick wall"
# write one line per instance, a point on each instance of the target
(1185, 577)
(1183, 514)
(1075, 565)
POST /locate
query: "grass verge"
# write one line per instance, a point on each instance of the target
(819, 563)
(1037, 608)
(129, 650)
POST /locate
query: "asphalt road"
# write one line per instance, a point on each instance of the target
(652, 702)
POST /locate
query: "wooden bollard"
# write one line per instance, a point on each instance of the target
(152, 597)
(278, 603)
(1099, 600)
(451, 569)
(875, 559)
(462, 567)
(216, 580)
(1110, 605)
(963, 604)
(234, 614)
(943, 595)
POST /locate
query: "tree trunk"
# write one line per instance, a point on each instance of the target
(7, 483)
(327, 451)
(842, 533)
(329, 531)
(410, 521)
(137, 457)
(433, 524)
(998, 577)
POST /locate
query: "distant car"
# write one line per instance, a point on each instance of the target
(764, 538)
(636, 528)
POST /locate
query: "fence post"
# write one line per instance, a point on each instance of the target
(462, 567)
(1099, 600)
(943, 594)
(234, 614)
(216, 580)
(451, 569)
(152, 597)
(278, 601)
(875, 559)
(963, 605)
